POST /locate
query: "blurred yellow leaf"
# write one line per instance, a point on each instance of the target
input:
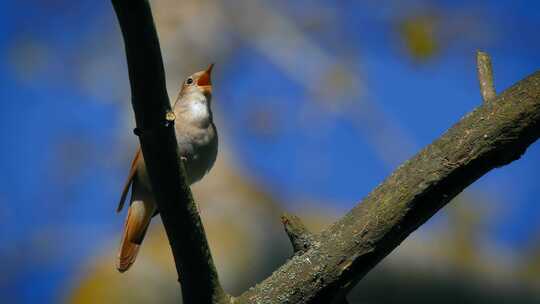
(419, 34)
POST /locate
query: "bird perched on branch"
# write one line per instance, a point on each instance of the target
(197, 140)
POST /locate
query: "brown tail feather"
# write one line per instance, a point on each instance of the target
(138, 218)
(127, 256)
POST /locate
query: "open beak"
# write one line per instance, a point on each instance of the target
(205, 80)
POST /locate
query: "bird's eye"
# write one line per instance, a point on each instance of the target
(189, 81)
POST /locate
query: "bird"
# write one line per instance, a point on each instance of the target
(197, 139)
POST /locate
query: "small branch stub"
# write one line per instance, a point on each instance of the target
(170, 117)
(485, 76)
(169, 121)
(301, 239)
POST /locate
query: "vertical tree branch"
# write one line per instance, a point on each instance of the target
(155, 127)
(485, 76)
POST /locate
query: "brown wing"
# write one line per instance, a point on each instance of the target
(129, 181)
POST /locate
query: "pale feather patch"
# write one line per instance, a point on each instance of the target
(198, 110)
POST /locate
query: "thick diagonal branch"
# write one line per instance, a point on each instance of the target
(194, 264)
(491, 136)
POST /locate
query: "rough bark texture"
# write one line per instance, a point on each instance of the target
(491, 136)
(485, 76)
(301, 239)
(155, 127)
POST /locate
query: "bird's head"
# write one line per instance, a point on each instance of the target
(200, 82)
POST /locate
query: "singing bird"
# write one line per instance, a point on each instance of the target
(197, 140)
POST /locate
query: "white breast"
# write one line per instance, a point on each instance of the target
(198, 110)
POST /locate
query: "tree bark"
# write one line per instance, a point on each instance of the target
(491, 136)
(301, 239)
(155, 128)
(485, 76)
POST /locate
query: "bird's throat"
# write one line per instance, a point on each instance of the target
(198, 113)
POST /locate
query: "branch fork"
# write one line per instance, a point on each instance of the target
(301, 239)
